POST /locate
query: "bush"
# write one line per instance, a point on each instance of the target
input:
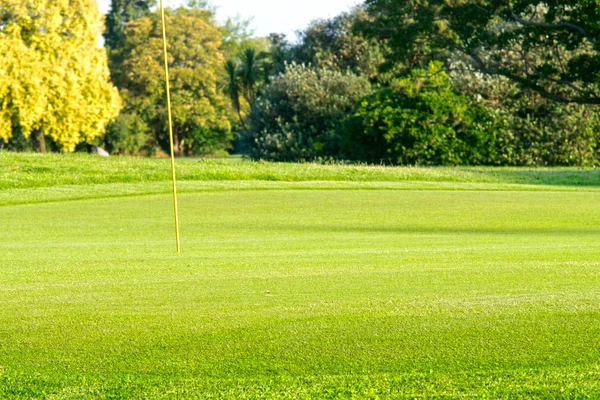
(18, 142)
(299, 115)
(127, 135)
(420, 120)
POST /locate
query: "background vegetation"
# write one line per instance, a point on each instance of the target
(387, 82)
(330, 278)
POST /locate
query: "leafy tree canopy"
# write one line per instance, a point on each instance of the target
(335, 44)
(551, 47)
(121, 12)
(201, 112)
(54, 77)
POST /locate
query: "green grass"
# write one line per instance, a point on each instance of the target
(21, 171)
(303, 285)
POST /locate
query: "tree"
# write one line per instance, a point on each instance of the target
(201, 114)
(127, 135)
(234, 88)
(247, 71)
(337, 44)
(122, 12)
(532, 130)
(550, 47)
(279, 53)
(237, 35)
(54, 75)
(251, 67)
(299, 115)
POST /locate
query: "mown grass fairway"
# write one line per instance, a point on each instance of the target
(338, 290)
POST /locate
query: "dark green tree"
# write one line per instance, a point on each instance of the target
(246, 72)
(532, 130)
(337, 44)
(234, 88)
(279, 53)
(252, 64)
(550, 47)
(121, 12)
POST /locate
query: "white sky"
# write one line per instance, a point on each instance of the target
(283, 16)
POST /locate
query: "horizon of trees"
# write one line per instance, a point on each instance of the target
(484, 82)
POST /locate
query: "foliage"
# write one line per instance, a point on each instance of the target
(23, 94)
(419, 120)
(299, 114)
(279, 53)
(246, 74)
(237, 36)
(234, 88)
(551, 48)
(250, 73)
(127, 135)
(54, 78)
(17, 142)
(201, 114)
(335, 44)
(532, 130)
(122, 12)
(543, 133)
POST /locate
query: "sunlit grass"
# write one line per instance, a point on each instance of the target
(300, 289)
(34, 170)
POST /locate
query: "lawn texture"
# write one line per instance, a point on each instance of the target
(300, 288)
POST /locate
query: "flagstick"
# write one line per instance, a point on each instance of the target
(174, 175)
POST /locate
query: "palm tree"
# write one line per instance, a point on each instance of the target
(234, 87)
(250, 73)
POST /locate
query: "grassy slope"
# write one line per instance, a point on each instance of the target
(32, 170)
(303, 293)
(32, 178)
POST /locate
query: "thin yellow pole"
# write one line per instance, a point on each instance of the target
(174, 175)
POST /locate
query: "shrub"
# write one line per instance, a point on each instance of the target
(299, 115)
(127, 135)
(420, 120)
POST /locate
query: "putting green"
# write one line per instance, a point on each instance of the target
(303, 294)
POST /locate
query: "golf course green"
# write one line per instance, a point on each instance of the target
(297, 281)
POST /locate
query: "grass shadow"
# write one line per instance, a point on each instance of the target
(538, 176)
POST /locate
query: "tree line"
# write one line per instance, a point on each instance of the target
(426, 82)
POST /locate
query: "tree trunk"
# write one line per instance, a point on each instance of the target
(242, 120)
(176, 144)
(39, 140)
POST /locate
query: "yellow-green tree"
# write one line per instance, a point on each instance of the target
(201, 112)
(54, 78)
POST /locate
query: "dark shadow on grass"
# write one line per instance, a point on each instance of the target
(541, 176)
(426, 230)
